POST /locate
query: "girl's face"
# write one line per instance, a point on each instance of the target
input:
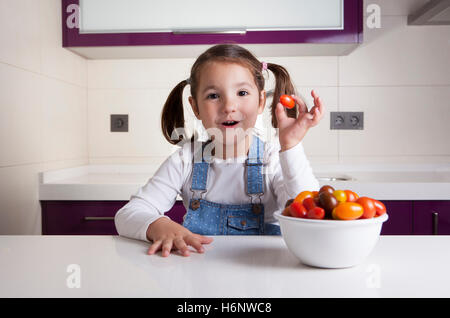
(227, 92)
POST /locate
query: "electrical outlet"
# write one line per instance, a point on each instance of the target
(347, 120)
(119, 123)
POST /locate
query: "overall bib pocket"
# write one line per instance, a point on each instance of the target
(242, 225)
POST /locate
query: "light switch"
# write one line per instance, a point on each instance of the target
(347, 120)
(119, 122)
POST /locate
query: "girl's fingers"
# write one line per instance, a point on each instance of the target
(280, 112)
(203, 239)
(181, 246)
(302, 106)
(195, 243)
(154, 247)
(166, 247)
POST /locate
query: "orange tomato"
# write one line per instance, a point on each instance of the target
(303, 195)
(351, 196)
(348, 211)
(315, 194)
(368, 206)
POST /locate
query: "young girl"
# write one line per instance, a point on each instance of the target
(232, 183)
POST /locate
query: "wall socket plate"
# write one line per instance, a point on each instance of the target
(347, 120)
(119, 122)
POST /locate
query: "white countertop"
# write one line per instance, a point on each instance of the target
(380, 181)
(232, 266)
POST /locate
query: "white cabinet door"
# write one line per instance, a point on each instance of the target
(203, 16)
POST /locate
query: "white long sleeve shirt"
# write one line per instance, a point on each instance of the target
(287, 173)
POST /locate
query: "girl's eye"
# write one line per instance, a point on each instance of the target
(212, 96)
(243, 93)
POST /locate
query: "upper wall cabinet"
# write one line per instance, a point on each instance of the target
(179, 28)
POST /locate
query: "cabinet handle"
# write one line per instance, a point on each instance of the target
(435, 222)
(199, 31)
(98, 218)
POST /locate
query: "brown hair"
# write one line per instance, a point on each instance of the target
(172, 114)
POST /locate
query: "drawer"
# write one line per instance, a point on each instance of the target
(89, 217)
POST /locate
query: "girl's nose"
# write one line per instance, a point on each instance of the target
(229, 105)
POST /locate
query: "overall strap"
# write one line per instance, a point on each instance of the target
(254, 164)
(200, 168)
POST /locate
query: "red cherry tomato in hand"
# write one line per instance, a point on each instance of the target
(316, 213)
(297, 210)
(287, 101)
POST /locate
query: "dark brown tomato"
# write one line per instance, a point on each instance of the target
(326, 188)
(328, 202)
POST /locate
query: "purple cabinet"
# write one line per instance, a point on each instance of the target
(431, 217)
(89, 217)
(97, 217)
(351, 33)
(400, 220)
(417, 218)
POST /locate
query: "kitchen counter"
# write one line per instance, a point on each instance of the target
(381, 181)
(232, 266)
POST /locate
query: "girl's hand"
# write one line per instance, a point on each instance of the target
(167, 235)
(292, 130)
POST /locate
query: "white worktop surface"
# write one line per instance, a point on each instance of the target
(232, 266)
(380, 181)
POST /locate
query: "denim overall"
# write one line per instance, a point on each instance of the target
(210, 218)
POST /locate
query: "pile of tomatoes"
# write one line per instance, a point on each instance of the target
(328, 203)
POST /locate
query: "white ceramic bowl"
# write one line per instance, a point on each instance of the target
(330, 243)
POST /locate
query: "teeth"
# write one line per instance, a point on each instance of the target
(230, 122)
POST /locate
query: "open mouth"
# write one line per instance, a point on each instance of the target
(230, 124)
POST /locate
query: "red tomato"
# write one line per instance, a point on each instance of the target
(380, 207)
(287, 101)
(286, 212)
(368, 206)
(351, 196)
(309, 203)
(316, 213)
(297, 210)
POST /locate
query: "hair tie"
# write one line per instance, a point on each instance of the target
(188, 81)
(264, 66)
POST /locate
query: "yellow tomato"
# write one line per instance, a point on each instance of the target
(340, 195)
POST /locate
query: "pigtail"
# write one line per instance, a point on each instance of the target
(283, 85)
(172, 117)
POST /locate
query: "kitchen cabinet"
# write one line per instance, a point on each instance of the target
(418, 217)
(97, 217)
(103, 28)
(400, 220)
(89, 217)
(431, 217)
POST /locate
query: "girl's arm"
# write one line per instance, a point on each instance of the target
(153, 199)
(143, 217)
(290, 173)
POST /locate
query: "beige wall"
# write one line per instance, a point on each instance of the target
(43, 100)
(399, 77)
(56, 105)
